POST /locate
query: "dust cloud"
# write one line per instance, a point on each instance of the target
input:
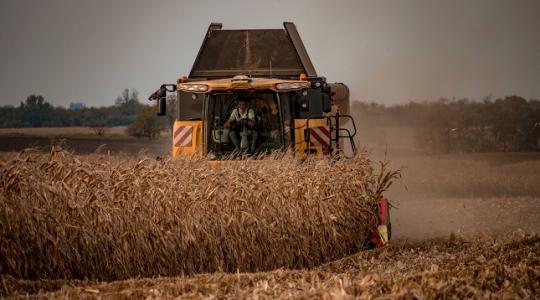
(465, 194)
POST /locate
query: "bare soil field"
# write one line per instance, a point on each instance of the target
(88, 144)
(464, 226)
(82, 140)
(62, 131)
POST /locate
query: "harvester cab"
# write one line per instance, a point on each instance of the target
(256, 91)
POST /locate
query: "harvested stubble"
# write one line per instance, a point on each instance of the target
(105, 218)
(506, 267)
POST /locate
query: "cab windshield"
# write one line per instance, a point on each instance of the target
(246, 123)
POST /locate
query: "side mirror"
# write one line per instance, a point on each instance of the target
(160, 93)
(162, 106)
(161, 97)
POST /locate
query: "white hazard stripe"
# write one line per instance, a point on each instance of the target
(320, 136)
(183, 136)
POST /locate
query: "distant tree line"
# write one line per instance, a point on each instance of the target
(36, 112)
(508, 124)
(142, 120)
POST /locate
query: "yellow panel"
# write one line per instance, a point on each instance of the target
(302, 148)
(193, 149)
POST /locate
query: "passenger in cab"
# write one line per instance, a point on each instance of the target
(241, 123)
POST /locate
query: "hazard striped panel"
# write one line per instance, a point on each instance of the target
(319, 136)
(183, 136)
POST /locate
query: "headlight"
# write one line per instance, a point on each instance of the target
(292, 85)
(193, 87)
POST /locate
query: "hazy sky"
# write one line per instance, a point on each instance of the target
(386, 51)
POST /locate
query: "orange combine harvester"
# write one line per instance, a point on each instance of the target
(254, 91)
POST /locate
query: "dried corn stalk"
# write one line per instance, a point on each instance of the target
(100, 217)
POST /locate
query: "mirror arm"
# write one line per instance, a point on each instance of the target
(162, 92)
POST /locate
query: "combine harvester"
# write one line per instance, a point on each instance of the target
(267, 75)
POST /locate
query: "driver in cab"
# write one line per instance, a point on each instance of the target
(242, 127)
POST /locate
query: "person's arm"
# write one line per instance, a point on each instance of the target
(231, 119)
(251, 117)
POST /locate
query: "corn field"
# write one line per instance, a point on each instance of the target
(99, 217)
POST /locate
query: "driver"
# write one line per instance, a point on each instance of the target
(242, 125)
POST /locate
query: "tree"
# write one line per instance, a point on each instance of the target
(148, 124)
(172, 110)
(10, 116)
(36, 112)
(128, 102)
(126, 97)
(99, 128)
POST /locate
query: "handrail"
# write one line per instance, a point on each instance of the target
(333, 125)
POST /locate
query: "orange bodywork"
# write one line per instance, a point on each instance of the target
(232, 84)
(302, 148)
(187, 139)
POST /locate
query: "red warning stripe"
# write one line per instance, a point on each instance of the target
(319, 140)
(321, 136)
(183, 136)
